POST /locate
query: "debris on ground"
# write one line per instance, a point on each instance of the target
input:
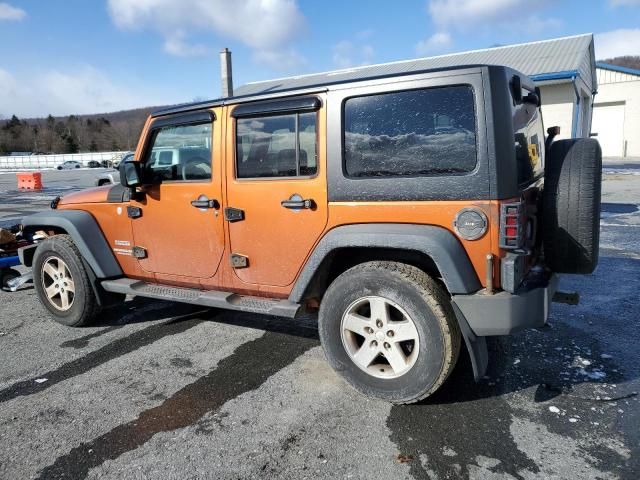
(401, 458)
(6, 237)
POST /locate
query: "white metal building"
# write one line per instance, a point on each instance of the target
(616, 112)
(563, 68)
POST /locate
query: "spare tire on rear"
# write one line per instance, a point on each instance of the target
(571, 216)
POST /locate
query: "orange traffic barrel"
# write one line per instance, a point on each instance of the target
(29, 181)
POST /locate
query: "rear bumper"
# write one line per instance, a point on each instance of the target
(505, 313)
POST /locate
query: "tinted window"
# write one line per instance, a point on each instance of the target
(276, 146)
(180, 153)
(410, 133)
(529, 138)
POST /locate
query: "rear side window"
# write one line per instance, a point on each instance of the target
(410, 133)
(529, 143)
(276, 146)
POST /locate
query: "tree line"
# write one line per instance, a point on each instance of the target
(626, 61)
(74, 133)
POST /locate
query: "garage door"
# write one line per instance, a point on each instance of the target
(608, 123)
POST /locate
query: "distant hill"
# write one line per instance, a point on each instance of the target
(74, 133)
(626, 61)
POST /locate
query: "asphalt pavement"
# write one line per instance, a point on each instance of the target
(162, 390)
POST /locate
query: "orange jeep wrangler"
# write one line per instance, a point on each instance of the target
(417, 209)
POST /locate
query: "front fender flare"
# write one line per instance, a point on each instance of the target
(85, 233)
(438, 243)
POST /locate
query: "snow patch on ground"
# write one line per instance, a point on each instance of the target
(621, 171)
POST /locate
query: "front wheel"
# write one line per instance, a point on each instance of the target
(62, 283)
(389, 330)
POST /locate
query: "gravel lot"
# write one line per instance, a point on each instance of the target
(160, 390)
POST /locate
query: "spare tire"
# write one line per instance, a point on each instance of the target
(571, 215)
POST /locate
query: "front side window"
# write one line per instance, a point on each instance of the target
(410, 133)
(276, 146)
(180, 153)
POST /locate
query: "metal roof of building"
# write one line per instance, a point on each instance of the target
(568, 56)
(618, 68)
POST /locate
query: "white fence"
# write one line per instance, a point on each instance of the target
(52, 161)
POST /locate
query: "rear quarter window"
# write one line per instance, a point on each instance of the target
(529, 143)
(429, 131)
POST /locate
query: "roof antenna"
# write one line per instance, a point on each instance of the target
(226, 73)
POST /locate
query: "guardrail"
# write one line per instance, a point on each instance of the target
(37, 162)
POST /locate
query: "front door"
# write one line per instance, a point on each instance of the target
(180, 225)
(276, 188)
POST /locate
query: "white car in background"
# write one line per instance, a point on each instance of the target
(69, 165)
(112, 176)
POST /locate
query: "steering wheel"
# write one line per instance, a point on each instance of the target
(190, 170)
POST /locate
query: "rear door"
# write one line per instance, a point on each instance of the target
(276, 187)
(179, 221)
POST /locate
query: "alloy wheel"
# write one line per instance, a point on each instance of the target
(380, 337)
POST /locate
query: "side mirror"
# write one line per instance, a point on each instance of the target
(130, 174)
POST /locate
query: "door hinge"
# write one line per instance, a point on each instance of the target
(233, 214)
(239, 261)
(134, 212)
(139, 252)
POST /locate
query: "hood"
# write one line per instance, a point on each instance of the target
(90, 195)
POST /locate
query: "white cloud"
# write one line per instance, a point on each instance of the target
(461, 14)
(266, 26)
(81, 90)
(435, 44)
(625, 41)
(9, 12)
(176, 44)
(348, 54)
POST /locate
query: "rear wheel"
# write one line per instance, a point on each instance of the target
(62, 283)
(390, 331)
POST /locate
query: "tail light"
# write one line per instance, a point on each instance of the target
(512, 226)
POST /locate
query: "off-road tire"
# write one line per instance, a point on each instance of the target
(428, 306)
(84, 307)
(571, 218)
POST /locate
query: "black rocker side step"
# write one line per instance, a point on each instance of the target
(207, 298)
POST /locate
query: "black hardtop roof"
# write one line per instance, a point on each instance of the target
(316, 88)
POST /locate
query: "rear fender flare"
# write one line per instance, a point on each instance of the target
(438, 243)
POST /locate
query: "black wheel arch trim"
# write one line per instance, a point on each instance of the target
(438, 243)
(85, 233)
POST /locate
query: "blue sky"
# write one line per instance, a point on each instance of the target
(90, 56)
